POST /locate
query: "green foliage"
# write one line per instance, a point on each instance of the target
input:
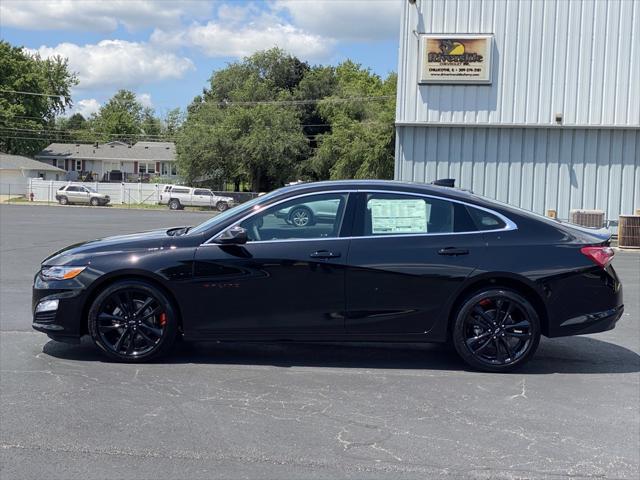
(362, 138)
(24, 117)
(224, 138)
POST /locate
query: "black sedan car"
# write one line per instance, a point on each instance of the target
(399, 262)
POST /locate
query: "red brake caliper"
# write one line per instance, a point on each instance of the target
(163, 319)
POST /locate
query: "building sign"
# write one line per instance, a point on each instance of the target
(455, 58)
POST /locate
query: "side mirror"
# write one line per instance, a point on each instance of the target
(232, 236)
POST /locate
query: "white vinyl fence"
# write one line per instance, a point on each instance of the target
(127, 193)
(120, 193)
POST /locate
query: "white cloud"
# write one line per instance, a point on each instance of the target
(97, 15)
(145, 100)
(238, 33)
(118, 63)
(86, 107)
(345, 19)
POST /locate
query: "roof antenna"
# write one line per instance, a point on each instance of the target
(445, 182)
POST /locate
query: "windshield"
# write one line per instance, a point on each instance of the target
(220, 218)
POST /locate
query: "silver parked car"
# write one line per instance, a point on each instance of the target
(309, 214)
(81, 194)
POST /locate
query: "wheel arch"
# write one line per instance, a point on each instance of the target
(517, 283)
(108, 280)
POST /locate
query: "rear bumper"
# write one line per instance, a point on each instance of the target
(589, 323)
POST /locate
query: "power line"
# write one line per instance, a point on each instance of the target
(257, 102)
(37, 94)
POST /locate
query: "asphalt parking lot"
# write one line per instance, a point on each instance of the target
(300, 411)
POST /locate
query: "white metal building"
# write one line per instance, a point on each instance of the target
(531, 102)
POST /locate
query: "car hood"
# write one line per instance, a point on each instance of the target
(82, 253)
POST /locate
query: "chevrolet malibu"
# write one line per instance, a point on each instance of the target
(397, 262)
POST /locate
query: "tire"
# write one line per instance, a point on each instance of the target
(496, 330)
(63, 201)
(301, 217)
(126, 329)
(174, 204)
(222, 206)
(94, 202)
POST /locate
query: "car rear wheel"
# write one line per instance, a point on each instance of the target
(94, 202)
(301, 217)
(175, 204)
(496, 330)
(222, 206)
(133, 321)
(63, 201)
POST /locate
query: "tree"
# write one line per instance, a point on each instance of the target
(123, 118)
(150, 124)
(231, 134)
(362, 138)
(119, 119)
(172, 122)
(26, 120)
(76, 122)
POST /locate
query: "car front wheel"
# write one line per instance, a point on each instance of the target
(175, 204)
(222, 206)
(496, 330)
(94, 202)
(63, 201)
(133, 321)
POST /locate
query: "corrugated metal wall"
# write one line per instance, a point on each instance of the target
(580, 58)
(535, 168)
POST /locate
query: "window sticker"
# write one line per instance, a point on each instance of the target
(398, 216)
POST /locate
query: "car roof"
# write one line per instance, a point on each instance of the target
(391, 185)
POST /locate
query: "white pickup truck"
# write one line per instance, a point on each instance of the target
(177, 197)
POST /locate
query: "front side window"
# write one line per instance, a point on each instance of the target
(202, 192)
(309, 217)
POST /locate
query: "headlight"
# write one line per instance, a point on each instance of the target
(61, 273)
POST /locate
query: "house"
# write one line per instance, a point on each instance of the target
(530, 103)
(15, 172)
(113, 160)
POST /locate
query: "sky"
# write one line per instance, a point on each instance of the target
(165, 51)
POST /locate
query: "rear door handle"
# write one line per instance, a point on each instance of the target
(325, 254)
(453, 251)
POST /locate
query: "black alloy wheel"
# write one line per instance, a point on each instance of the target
(496, 330)
(301, 217)
(133, 321)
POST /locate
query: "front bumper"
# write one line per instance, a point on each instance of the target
(64, 323)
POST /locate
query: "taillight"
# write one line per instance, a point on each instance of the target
(599, 255)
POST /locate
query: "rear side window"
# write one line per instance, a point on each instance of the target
(393, 214)
(180, 190)
(484, 220)
(398, 214)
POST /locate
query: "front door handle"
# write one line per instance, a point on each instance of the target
(453, 251)
(325, 254)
